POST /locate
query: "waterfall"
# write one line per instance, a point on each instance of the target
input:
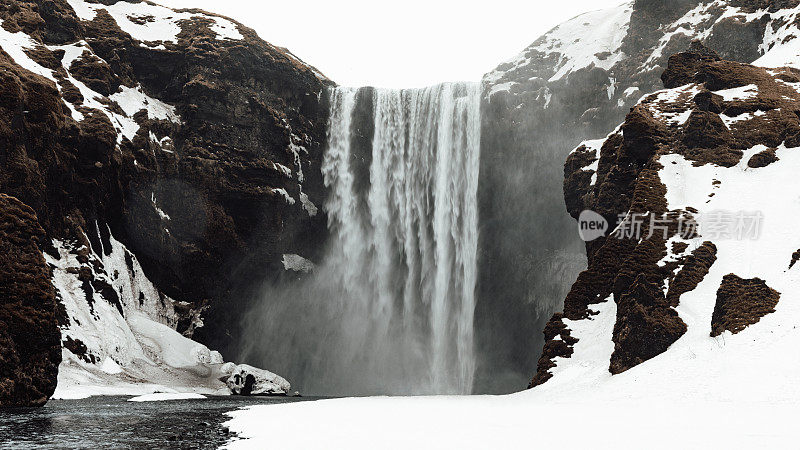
(390, 309)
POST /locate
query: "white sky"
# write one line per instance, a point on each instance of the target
(412, 43)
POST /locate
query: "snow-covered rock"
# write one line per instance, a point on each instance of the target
(120, 336)
(248, 380)
(717, 291)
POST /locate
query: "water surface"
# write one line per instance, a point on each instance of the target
(114, 422)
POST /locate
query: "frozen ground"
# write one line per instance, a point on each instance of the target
(515, 421)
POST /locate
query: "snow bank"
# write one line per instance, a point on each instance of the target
(518, 421)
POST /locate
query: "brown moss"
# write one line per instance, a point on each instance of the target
(695, 268)
(95, 73)
(762, 158)
(558, 343)
(646, 326)
(740, 303)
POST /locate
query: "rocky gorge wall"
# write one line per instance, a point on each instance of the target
(180, 134)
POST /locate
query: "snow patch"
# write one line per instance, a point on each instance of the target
(308, 205)
(133, 100)
(282, 192)
(739, 93)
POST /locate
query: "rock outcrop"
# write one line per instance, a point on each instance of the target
(741, 303)
(30, 349)
(685, 204)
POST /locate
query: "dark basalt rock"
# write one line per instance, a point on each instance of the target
(30, 348)
(740, 303)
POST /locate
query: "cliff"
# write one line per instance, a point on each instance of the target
(170, 157)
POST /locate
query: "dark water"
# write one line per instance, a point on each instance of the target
(114, 422)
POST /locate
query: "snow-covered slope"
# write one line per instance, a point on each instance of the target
(719, 149)
(594, 38)
(578, 82)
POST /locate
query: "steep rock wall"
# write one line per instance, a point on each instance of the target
(193, 142)
(30, 349)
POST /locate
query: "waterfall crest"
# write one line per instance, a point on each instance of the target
(390, 309)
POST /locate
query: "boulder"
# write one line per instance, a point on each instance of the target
(248, 380)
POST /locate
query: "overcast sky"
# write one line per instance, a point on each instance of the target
(409, 43)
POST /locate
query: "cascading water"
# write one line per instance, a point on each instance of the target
(390, 309)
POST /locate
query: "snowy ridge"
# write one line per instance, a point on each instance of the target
(593, 38)
(778, 47)
(598, 42)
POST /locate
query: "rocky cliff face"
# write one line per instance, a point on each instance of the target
(178, 136)
(695, 185)
(578, 81)
(30, 350)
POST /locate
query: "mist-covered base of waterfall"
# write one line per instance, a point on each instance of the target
(389, 310)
